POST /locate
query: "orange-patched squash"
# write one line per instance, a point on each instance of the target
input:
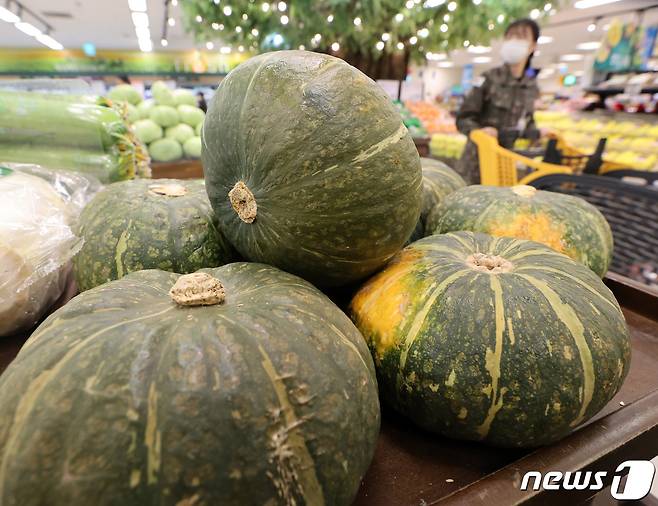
(493, 339)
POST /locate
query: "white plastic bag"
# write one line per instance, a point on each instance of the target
(36, 245)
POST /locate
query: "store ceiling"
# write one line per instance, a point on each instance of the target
(107, 24)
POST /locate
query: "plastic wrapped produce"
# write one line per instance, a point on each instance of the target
(36, 246)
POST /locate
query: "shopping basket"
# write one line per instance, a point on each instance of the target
(501, 167)
(631, 211)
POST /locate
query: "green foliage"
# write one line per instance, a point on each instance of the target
(307, 18)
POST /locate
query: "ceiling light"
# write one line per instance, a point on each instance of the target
(491, 26)
(142, 32)
(335, 46)
(28, 29)
(317, 37)
(544, 39)
(435, 56)
(546, 72)
(225, 50)
(433, 3)
(386, 36)
(588, 46)
(8, 16)
(164, 43)
(284, 20)
(446, 17)
(467, 43)
(216, 2)
(445, 64)
(145, 45)
(443, 28)
(452, 6)
(209, 46)
(282, 6)
(571, 57)
(238, 29)
(48, 41)
(137, 5)
(140, 19)
(215, 26)
(409, 4)
(302, 47)
(171, 22)
(423, 33)
(481, 59)
(399, 17)
(226, 10)
(477, 2)
(330, 18)
(479, 49)
(241, 49)
(413, 40)
(548, 7)
(175, 3)
(265, 7)
(500, 18)
(535, 13)
(245, 17)
(591, 27)
(221, 26)
(254, 32)
(357, 21)
(400, 46)
(586, 4)
(379, 45)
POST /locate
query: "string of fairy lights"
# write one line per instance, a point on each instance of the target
(281, 9)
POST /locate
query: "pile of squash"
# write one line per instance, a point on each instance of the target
(203, 364)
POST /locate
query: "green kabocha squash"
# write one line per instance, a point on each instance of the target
(566, 223)
(309, 167)
(163, 224)
(499, 340)
(249, 387)
(439, 181)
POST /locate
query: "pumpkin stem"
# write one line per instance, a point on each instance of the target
(197, 289)
(169, 190)
(243, 202)
(492, 264)
(524, 190)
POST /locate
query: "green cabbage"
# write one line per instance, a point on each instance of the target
(162, 94)
(185, 97)
(180, 132)
(165, 150)
(192, 147)
(164, 115)
(191, 115)
(144, 108)
(148, 131)
(125, 93)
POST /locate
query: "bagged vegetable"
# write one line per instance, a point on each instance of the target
(164, 115)
(166, 150)
(36, 245)
(180, 132)
(191, 115)
(182, 96)
(192, 147)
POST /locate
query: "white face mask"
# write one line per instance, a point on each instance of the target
(514, 51)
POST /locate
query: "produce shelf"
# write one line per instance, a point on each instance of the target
(182, 169)
(412, 467)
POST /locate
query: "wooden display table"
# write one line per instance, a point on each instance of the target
(412, 467)
(182, 169)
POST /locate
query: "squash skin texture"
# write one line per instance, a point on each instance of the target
(567, 224)
(128, 227)
(334, 173)
(124, 397)
(516, 358)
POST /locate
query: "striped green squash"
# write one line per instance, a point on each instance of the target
(566, 223)
(493, 339)
(309, 167)
(263, 394)
(439, 181)
(163, 224)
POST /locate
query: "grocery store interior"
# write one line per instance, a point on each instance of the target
(368, 252)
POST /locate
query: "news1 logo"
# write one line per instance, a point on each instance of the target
(638, 481)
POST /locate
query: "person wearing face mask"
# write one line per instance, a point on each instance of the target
(505, 97)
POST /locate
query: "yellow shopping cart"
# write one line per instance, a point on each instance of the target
(502, 167)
